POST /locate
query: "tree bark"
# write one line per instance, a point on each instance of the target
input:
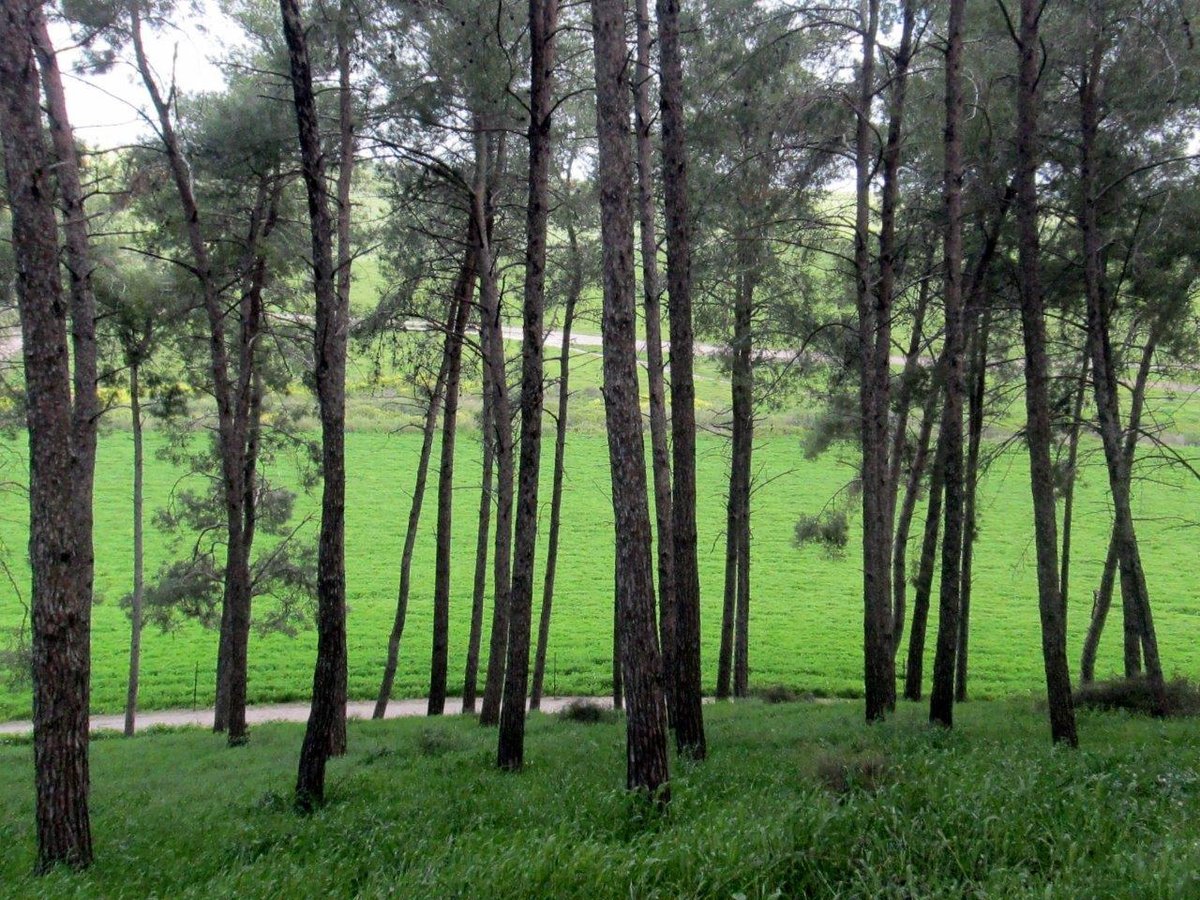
(327, 716)
(439, 663)
(685, 693)
(641, 664)
(139, 556)
(660, 451)
(574, 289)
(59, 548)
(1037, 402)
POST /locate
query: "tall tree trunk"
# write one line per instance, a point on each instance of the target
(923, 587)
(743, 449)
(1104, 378)
(439, 663)
(327, 716)
(1068, 516)
(641, 663)
(912, 491)
(139, 556)
(685, 693)
(975, 400)
(494, 361)
(941, 698)
(479, 587)
(574, 289)
(1037, 400)
(729, 595)
(660, 451)
(873, 334)
(1103, 596)
(543, 23)
(59, 549)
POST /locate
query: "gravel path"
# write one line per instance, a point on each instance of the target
(283, 712)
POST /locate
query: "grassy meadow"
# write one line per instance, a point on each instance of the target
(795, 800)
(806, 613)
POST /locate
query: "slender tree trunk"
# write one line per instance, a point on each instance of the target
(975, 400)
(327, 717)
(1133, 577)
(560, 447)
(135, 612)
(479, 589)
(543, 22)
(941, 699)
(1037, 429)
(439, 663)
(729, 595)
(1068, 516)
(59, 548)
(493, 344)
(685, 693)
(743, 449)
(641, 663)
(912, 491)
(923, 587)
(660, 451)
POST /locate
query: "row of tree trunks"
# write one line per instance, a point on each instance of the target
(687, 714)
(326, 722)
(640, 661)
(61, 435)
(1037, 400)
(574, 290)
(660, 453)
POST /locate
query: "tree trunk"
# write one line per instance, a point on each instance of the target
(58, 546)
(912, 491)
(941, 698)
(685, 693)
(135, 611)
(923, 587)
(543, 22)
(439, 663)
(641, 664)
(479, 589)
(660, 451)
(327, 717)
(493, 347)
(1037, 401)
(1104, 378)
(560, 447)
(740, 464)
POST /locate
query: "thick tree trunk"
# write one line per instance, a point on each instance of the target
(1104, 378)
(641, 664)
(660, 451)
(479, 587)
(139, 555)
(439, 663)
(59, 550)
(496, 378)
(1037, 401)
(560, 446)
(941, 698)
(543, 23)
(327, 717)
(688, 714)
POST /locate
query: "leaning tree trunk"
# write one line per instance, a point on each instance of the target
(685, 693)
(1104, 380)
(560, 447)
(58, 545)
(543, 23)
(1037, 374)
(908, 508)
(1074, 429)
(439, 663)
(641, 664)
(327, 716)
(923, 586)
(139, 556)
(941, 697)
(660, 451)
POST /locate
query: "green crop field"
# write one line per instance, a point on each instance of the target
(795, 800)
(806, 613)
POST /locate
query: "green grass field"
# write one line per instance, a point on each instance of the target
(795, 800)
(806, 613)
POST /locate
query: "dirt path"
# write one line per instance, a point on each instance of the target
(282, 712)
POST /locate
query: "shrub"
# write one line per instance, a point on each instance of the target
(842, 775)
(586, 712)
(1134, 695)
(780, 693)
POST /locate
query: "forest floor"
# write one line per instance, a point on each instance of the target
(796, 799)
